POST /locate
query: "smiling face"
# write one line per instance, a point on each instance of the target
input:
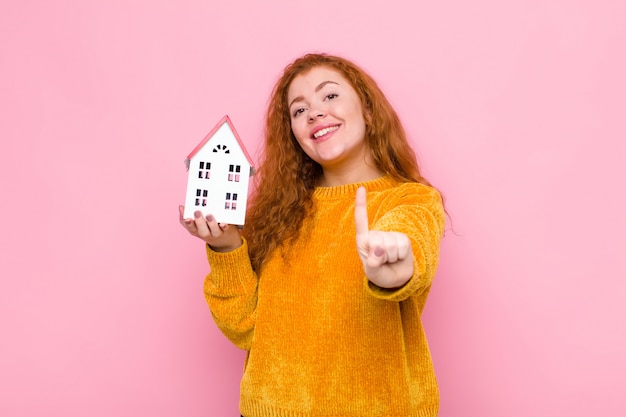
(327, 121)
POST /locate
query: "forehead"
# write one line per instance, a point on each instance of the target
(307, 82)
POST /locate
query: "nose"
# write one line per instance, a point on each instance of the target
(315, 114)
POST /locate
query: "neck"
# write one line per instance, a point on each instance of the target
(342, 176)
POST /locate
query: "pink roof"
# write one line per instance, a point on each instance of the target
(208, 137)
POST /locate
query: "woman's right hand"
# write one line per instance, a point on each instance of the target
(221, 237)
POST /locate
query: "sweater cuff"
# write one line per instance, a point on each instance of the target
(229, 271)
(392, 294)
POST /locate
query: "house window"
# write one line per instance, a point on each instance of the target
(205, 170)
(231, 201)
(201, 197)
(221, 148)
(234, 172)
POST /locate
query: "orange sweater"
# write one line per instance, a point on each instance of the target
(321, 339)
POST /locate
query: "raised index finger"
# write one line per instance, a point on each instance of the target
(360, 214)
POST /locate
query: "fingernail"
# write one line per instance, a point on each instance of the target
(210, 218)
(197, 214)
(379, 251)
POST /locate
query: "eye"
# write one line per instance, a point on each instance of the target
(298, 111)
(331, 96)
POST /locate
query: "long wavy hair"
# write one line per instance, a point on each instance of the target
(286, 176)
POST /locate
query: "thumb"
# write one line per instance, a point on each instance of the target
(376, 258)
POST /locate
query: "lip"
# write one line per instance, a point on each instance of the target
(322, 127)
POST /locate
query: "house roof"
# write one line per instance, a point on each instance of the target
(208, 137)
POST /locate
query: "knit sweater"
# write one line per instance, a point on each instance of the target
(321, 339)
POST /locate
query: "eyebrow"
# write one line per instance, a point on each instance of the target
(318, 88)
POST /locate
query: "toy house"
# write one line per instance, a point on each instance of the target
(219, 173)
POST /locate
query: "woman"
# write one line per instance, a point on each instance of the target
(325, 285)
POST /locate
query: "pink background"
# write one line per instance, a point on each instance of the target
(517, 110)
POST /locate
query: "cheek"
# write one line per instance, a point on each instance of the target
(299, 140)
(298, 130)
(361, 127)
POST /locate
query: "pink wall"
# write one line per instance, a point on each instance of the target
(517, 110)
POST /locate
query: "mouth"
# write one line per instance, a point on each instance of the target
(324, 131)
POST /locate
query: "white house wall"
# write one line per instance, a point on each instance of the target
(215, 189)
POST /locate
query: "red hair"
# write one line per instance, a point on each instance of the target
(286, 177)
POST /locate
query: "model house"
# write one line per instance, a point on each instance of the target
(219, 173)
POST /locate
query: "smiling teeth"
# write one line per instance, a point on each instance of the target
(325, 131)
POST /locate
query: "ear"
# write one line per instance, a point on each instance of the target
(367, 115)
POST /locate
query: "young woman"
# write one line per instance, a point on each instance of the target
(325, 286)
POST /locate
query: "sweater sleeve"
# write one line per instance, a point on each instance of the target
(230, 290)
(417, 211)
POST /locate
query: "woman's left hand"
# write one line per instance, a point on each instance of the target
(386, 256)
